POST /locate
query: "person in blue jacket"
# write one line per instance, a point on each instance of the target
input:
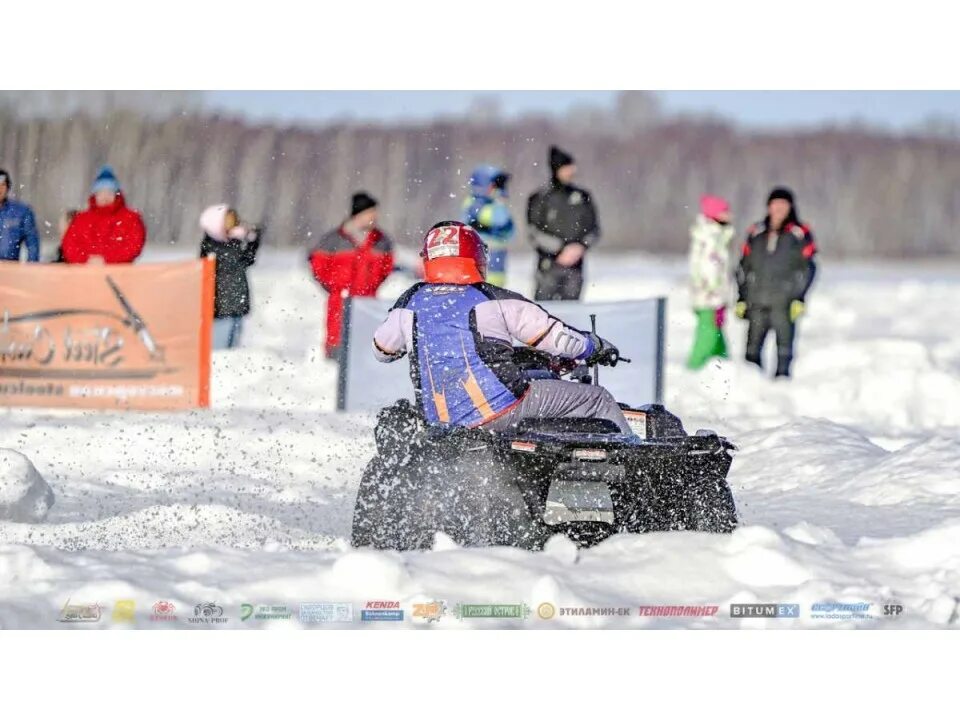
(487, 213)
(17, 225)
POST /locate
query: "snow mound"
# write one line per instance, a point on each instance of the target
(801, 454)
(24, 494)
(927, 470)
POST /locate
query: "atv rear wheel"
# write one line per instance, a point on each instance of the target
(710, 507)
(474, 497)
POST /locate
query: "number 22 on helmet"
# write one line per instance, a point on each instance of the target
(454, 253)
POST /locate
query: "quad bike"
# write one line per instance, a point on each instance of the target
(578, 476)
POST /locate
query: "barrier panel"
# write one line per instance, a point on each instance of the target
(106, 336)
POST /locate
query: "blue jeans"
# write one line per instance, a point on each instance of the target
(226, 332)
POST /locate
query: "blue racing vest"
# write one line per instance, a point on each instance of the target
(453, 383)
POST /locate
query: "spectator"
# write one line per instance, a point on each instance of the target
(562, 225)
(234, 245)
(352, 260)
(775, 273)
(17, 225)
(710, 273)
(486, 213)
(108, 229)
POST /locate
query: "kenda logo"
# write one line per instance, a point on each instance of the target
(381, 610)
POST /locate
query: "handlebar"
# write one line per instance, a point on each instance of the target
(530, 359)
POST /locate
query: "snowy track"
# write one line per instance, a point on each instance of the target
(848, 478)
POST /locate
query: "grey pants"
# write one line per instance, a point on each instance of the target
(562, 399)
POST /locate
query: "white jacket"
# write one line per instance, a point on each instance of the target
(710, 271)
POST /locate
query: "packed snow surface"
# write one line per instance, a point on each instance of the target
(847, 479)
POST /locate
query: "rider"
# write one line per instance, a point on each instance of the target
(460, 332)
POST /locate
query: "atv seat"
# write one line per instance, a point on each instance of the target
(591, 426)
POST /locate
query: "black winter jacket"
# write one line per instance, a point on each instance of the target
(558, 215)
(232, 296)
(775, 270)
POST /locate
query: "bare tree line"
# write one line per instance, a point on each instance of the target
(866, 193)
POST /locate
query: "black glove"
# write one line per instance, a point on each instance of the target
(604, 352)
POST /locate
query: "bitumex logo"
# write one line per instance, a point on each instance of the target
(207, 613)
(769, 611)
(381, 610)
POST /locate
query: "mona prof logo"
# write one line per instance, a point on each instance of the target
(207, 613)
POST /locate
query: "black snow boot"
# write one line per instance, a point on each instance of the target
(783, 367)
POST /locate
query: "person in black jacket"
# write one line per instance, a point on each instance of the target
(562, 224)
(234, 245)
(776, 271)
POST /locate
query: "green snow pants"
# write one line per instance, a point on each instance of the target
(708, 340)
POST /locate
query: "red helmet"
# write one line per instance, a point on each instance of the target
(454, 253)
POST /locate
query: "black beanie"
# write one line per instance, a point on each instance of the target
(559, 158)
(780, 193)
(361, 201)
(5, 178)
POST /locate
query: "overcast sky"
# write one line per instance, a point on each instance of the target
(752, 108)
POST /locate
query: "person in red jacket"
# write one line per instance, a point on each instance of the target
(108, 229)
(351, 260)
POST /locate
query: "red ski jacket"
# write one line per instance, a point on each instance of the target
(341, 264)
(114, 232)
(347, 268)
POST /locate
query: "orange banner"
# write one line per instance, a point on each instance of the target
(106, 336)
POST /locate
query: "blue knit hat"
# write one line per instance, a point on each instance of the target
(106, 180)
(484, 176)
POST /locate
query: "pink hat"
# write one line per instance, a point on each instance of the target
(713, 205)
(213, 221)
